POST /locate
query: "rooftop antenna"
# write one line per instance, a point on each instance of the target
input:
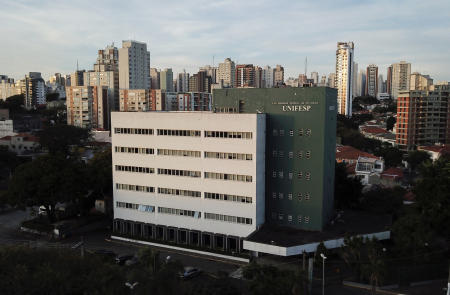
(306, 66)
(213, 61)
(77, 64)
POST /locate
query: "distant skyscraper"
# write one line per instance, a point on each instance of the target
(258, 76)
(389, 80)
(183, 82)
(331, 80)
(267, 77)
(361, 84)
(401, 75)
(315, 77)
(323, 81)
(344, 77)
(77, 78)
(87, 106)
(134, 65)
(211, 72)
(355, 79)
(420, 82)
(372, 80)
(200, 82)
(381, 84)
(107, 59)
(278, 76)
(155, 78)
(166, 80)
(226, 73)
(245, 76)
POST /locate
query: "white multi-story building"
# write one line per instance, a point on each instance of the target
(226, 73)
(401, 78)
(193, 178)
(267, 77)
(183, 81)
(134, 65)
(344, 77)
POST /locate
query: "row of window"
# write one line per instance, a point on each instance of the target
(300, 196)
(300, 132)
(180, 212)
(136, 188)
(179, 192)
(139, 207)
(225, 176)
(172, 132)
(134, 150)
(229, 156)
(135, 169)
(177, 172)
(300, 154)
(180, 153)
(228, 218)
(225, 197)
(228, 134)
(291, 175)
(143, 131)
(300, 218)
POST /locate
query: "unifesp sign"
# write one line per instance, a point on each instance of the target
(296, 106)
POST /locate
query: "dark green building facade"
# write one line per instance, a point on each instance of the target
(300, 150)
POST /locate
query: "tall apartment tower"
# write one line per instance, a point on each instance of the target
(87, 106)
(344, 77)
(155, 78)
(183, 82)
(420, 82)
(278, 76)
(361, 84)
(372, 80)
(211, 72)
(315, 77)
(33, 89)
(267, 77)
(401, 73)
(200, 82)
(355, 79)
(245, 76)
(226, 73)
(389, 80)
(331, 80)
(134, 65)
(106, 73)
(166, 80)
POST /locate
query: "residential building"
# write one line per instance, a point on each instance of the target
(192, 178)
(210, 72)
(258, 77)
(401, 79)
(21, 143)
(226, 73)
(349, 155)
(372, 81)
(302, 80)
(278, 76)
(291, 82)
(344, 77)
(183, 82)
(315, 77)
(200, 82)
(107, 60)
(7, 87)
(134, 100)
(435, 151)
(423, 117)
(331, 82)
(245, 76)
(33, 88)
(355, 80)
(155, 78)
(420, 82)
(389, 80)
(267, 77)
(323, 81)
(166, 80)
(361, 84)
(6, 127)
(134, 65)
(77, 78)
(87, 106)
(368, 170)
(193, 101)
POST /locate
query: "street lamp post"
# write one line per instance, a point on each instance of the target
(323, 272)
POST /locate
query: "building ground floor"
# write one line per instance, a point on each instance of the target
(178, 236)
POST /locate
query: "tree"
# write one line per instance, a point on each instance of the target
(392, 156)
(351, 253)
(47, 181)
(13, 103)
(390, 122)
(59, 138)
(321, 249)
(383, 200)
(416, 158)
(99, 172)
(375, 268)
(52, 96)
(347, 190)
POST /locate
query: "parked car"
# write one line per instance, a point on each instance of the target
(190, 272)
(121, 259)
(105, 253)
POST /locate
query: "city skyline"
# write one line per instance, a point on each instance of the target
(387, 34)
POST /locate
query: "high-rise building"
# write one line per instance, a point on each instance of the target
(315, 77)
(258, 76)
(381, 84)
(267, 77)
(355, 79)
(245, 76)
(33, 88)
(389, 81)
(200, 82)
(166, 80)
(7, 87)
(278, 76)
(344, 77)
(77, 78)
(361, 84)
(106, 73)
(226, 73)
(134, 100)
(183, 82)
(331, 80)
(302, 80)
(155, 78)
(87, 106)
(372, 80)
(423, 117)
(401, 77)
(134, 65)
(420, 82)
(211, 72)
(323, 81)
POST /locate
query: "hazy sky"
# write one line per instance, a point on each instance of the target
(49, 36)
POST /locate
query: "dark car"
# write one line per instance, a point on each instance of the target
(121, 259)
(190, 272)
(105, 253)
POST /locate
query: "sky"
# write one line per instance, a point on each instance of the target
(50, 36)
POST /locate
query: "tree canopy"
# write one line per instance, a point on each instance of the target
(416, 158)
(390, 122)
(13, 103)
(59, 138)
(347, 191)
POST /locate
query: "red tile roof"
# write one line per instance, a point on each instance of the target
(445, 149)
(373, 130)
(347, 152)
(6, 138)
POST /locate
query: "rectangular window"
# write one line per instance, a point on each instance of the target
(229, 134)
(225, 197)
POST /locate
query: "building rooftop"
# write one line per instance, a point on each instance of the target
(435, 148)
(351, 153)
(393, 173)
(372, 130)
(349, 223)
